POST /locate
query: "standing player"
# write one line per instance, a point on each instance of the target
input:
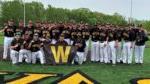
(126, 46)
(86, 37)
(67, 36)
(103, 47)
(118, 46)
(141, 38)
(55, 35)
(95, 45)
(9, 31)
(111, 46)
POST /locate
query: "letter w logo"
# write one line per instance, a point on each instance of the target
(60, 54)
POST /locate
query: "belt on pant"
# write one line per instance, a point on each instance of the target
(101, 41)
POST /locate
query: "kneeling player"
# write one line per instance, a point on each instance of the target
(25, 52)
(80, 45)
(15, 47)
(36, 45)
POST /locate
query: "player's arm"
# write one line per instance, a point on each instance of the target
(14, 46)
(30, 44)
(3, 29)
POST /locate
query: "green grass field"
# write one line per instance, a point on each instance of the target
(104, 73)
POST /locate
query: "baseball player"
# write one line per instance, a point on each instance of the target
(61, 40)
(15, 48)
(79, 43)
(86, 37)
(9, 31)
(25, 52)
(36, 45)
(118, 45)
(141, 38)
(126, 46)
(55, 35)
(67, 36)
(46, 37)
(73, 35)
(95, 45)
(103, 47)
(111, 46)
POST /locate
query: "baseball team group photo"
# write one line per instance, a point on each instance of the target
(109, 43)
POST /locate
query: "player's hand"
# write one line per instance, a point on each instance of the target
(116, 45)
(76, 45)
(80, 45)
(16, 45)
(24, 42)
(32, 41)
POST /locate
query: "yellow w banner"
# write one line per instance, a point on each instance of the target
(59, 54)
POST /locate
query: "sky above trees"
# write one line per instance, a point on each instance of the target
(141, 9)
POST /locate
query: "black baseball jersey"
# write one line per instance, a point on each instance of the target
(95, 35)
(141, 38)
(82, 42)
(17, 42)
(26, 42)
(110, 35)
(125, 35)
(9, 31)
(61, 42)
(118, 35)
(132, 35)
(102, 35)
(36, 45)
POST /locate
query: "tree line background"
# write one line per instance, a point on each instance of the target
(36, 11)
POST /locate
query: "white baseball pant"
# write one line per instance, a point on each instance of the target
(112, 51)
(86, 50)
(7, 43)
(53, 41)
(68, 41)
(79, 57)
(95, 51)
(127, 56)
(139, 53)
(102, 51)
(38, 55)
(119, 52)
(25, 54)
(14, 55)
